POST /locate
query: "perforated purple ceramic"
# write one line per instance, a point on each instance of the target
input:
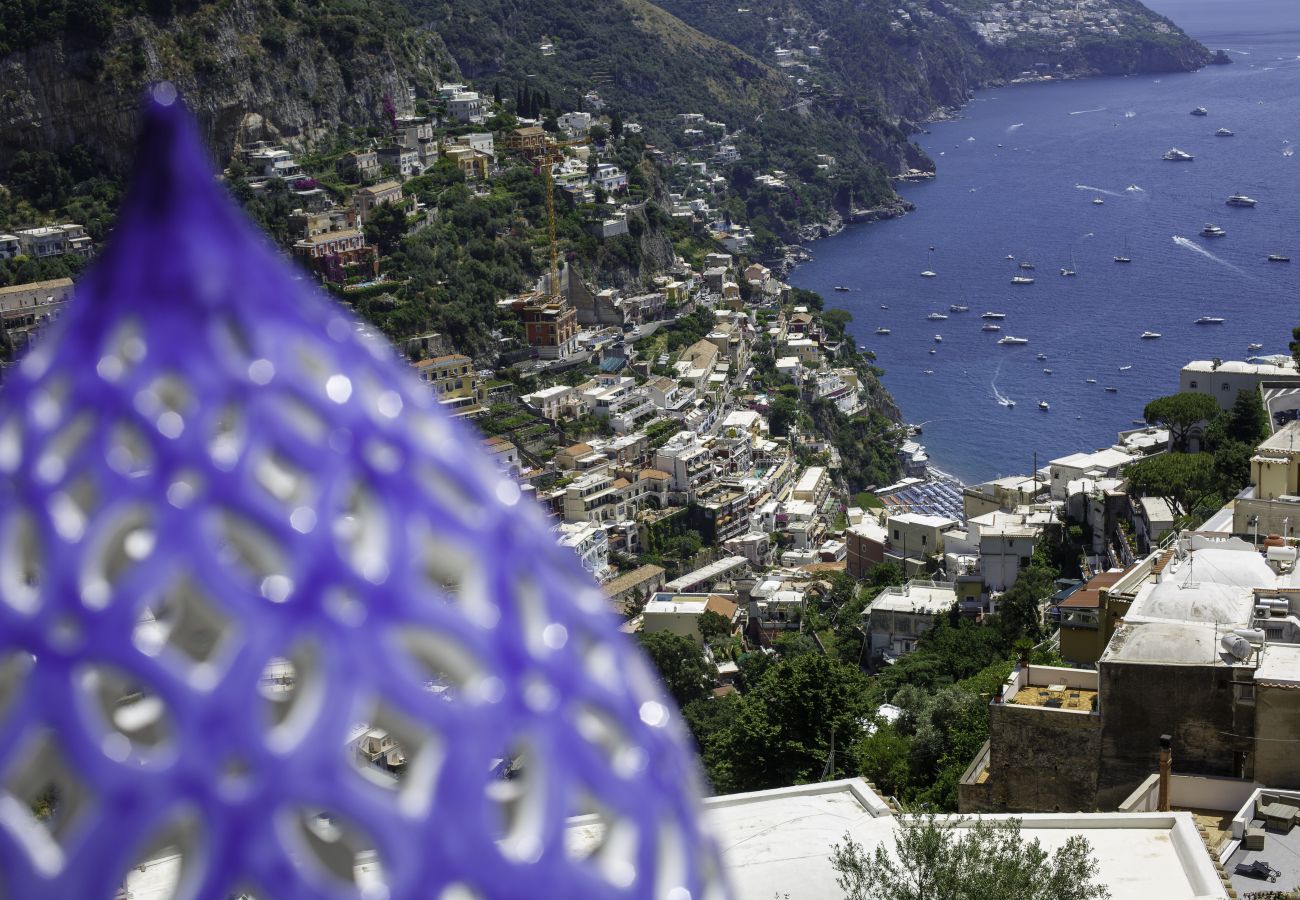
(272, 624)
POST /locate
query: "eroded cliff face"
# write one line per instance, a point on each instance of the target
(247, 70)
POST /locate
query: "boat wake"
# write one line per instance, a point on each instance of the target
(1097, 190)
(1002, 399)
(1192, 245)
(1015, 127)
(1084, 112)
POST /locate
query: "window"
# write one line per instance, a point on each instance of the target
(922, 540)
(1225, 385)
(1192, 385)
(895, 534)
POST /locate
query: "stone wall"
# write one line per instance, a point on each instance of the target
(1193, 704)
(1040, 760)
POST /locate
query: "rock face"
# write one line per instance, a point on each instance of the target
(247, 69)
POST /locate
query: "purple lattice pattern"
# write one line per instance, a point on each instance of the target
(235, 536)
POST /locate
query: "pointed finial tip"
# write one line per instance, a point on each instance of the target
(163, 93)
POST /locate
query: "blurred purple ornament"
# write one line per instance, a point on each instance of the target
(244, 555)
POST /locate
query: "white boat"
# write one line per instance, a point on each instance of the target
(1042, 404)
(1047, 371)
(1223, 132)
(1025, 265)
(1212, 230)
(1013, 340)
(841, 288)
(1097, 201)
(927, 274)
(933, 351)
(1150, 335)
(936, 317)
(884, 306)
(1210, 320)
(1240, 200)
(862, 346)
(1278, 257)
(991, 327)
(929, 371)
(882, 330)
(1125, 368)
(1289, 151)
(1112, 390)
(1253, 347)
(1021, 279)
(993, 315)
(1042, 356)
(957, 307)
(1173, 154)
(1090, 381)
(938, 339)
(1067, 273)
(1009, 256)
(1200, 111)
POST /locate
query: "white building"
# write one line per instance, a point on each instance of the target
(590, 542)
(1107, 463)
(778, 843)
(1223, 380)
(899, 615)
(466, 106)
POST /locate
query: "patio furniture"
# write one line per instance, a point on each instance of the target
(1279, 816)
(1254, 838)
(1258, 869)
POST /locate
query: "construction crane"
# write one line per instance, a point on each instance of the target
(547, 157)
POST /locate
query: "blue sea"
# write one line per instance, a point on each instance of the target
(1017, 175)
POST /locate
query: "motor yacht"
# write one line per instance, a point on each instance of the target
(938, 339)
(927, 274)
(1150, 335)
(1112, 390)
(991, 327)
(841, 288)
(1212, 230)
(1013, 340)
(1278, 257)
(1042, 404)
(936, 317)
(957, 307)
(993, 315)
(1173, 154)
(1200, 111)
(1240, 200)
(1210, 320)
(1254, 347)
(1097, 201)
(1020, 279)
(1223, 132)
(882, 330)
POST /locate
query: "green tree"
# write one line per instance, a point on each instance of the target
(386, 226)
(887, 574)
(1294, 346)
(781, 733)
(783, 413)
(712, 626)
(1180, 413)
(934, 859)
(1247, 420)
(1183, 480)
(1020, 609)
(681, 665)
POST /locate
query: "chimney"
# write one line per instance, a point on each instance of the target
(1166, 764)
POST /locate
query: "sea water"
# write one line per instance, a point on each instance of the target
(1018, 174)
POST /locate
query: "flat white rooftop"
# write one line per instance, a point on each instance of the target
(778, 843)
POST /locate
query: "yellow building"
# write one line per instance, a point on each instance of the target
(455, 383)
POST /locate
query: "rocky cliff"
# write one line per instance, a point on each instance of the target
(250, 69)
